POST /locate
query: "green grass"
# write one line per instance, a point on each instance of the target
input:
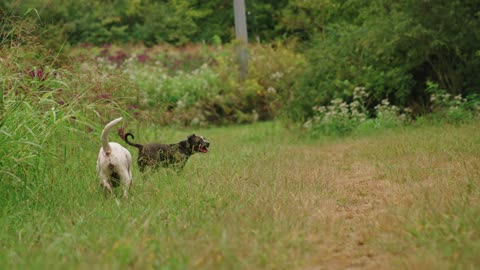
(264, 198)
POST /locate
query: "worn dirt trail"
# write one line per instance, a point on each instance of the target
(354, 216)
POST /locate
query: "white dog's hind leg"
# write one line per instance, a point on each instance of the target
(126, 181)
(105, 182)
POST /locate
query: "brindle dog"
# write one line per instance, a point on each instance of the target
(168, 155)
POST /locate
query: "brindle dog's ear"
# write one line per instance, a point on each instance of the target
(192, 136)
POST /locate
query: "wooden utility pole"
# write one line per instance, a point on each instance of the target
(241, 36)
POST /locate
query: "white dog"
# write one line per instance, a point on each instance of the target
(114, 163)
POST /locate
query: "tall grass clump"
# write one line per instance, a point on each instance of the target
(23, 127)
(28, 120)
(44, 101)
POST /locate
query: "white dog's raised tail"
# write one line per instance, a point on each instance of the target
(104, 137)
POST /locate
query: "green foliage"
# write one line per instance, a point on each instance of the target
(276, 68)
(306, 19)
(446, 36)
(364, 60)
(148, 22)
(340, 118)
(118, 21)
(198, 85)
(337, 119)
(452, 109)
(171, 21)
(390, 116)
(392, 49)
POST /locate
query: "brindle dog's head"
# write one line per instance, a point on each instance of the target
(198, 143)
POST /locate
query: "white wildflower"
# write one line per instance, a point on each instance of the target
(255, 116)
(180, 104)
(337, 101)
(330, 113)
(277, 75)
(320, 109)
(359, 89)
(308, 124)
(271, 90)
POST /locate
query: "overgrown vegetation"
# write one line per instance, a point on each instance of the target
(406, 194)
(391, 49)
(340, 118)
(198, 85)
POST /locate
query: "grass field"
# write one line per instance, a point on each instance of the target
(265, 197)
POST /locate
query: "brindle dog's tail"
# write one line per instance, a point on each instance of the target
(139, 146)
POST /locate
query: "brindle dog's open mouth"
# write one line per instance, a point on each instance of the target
(203, 149)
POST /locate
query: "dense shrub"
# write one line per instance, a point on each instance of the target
(393, 49)
(276, 68)
(341, 118)
(199, 85)
(455, 109)
(364, 59)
